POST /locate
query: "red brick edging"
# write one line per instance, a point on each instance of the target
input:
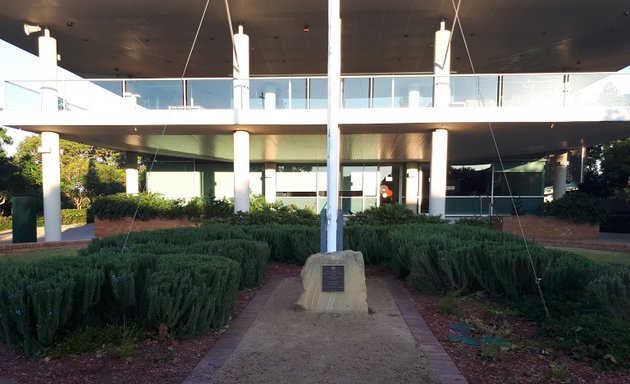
(439, 361)
(16, 248)
(223, 348)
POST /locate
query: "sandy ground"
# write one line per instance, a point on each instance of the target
(284, 346)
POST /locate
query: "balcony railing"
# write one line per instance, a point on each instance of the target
(553, 90)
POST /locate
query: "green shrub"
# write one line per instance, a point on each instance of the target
(611, 291)
(68, 217)
(42, 298)
(392, 214)
(373, 241)
(291, 244)
(577, 207)
(147, 205)
(593, 337)
(208, 207)
(192, 293)
(482, 222)
(252, 256)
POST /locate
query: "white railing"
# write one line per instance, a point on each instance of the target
(610, 89)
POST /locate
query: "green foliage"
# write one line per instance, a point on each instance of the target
(577, 207)
(112, 338)
(557, 373)
(208, 207)
(76, 159)
(252, 256)
(593, 337)
(68, 217)
(289, 243)
(42, 298)
(147, 205)
(373, 241)
(391, 214)
(448, 304)
(482, 222)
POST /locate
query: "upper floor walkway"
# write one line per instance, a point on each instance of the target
(302, 100)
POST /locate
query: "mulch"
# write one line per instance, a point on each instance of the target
(159, 360)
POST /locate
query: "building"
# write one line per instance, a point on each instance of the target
(249, 108)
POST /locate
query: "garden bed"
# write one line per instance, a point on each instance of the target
(539, 228)
(107, 227)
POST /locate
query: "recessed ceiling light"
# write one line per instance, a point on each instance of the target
(275, 37)
(626, 12)
(406, 35)
(69, 23)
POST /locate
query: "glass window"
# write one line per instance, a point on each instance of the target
(413, 92)
(318, 93)
(382, 92)
(474, 91)
(298, 94)
(356, 93)
(210, 93)
(157, 94)
(521, 91)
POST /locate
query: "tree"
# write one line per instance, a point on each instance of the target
(607, 169)
(75, 165)
(616, 166)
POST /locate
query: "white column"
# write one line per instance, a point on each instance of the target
(131, 173)
(270, 182)
(560, 175)
(48, 70)
(582, 162)
(241, 171)
(269, 99)
(442, 67)
(334, 90)
(414, 95)
(51, 186)
(240, 63)
(50, 140)
(3, 99)
(437, 192)
(412, 186)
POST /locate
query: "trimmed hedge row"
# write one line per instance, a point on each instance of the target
(40, 299)
(287, 243)
(68, 217)
(252, 256)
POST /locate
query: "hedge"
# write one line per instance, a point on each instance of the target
(68, 217)
(252, 256)
(42, 298)
(287, 243)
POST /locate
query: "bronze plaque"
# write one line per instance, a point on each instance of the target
(333, 278)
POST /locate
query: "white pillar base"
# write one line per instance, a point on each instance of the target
(270, 182)
(51, 186)
(437, 192)
(241, 171)
(412, 187)
(560, 176)
(131, 174)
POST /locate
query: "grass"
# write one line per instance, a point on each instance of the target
(599, 256)
(40, 254)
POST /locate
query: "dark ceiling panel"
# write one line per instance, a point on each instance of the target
(149, 38)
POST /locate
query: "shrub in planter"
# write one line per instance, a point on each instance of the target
(577, 207)
(146, 205)
(392, 214)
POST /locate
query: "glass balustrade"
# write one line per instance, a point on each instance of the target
(554, 90)
(209, 94)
